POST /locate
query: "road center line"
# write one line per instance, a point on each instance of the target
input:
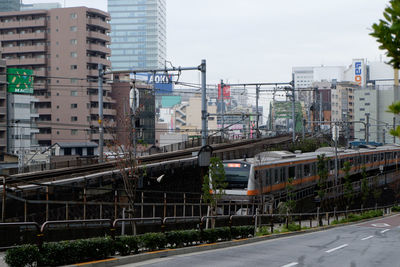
(290, 264)
(333, 249)
(384, 231)
(368, 237)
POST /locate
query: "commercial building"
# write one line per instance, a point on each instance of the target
(138, 36)
(10, 5)
(63, 46)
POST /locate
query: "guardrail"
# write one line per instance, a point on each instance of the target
(43, 232)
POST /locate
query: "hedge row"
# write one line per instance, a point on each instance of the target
(74, 251)
(365, 215)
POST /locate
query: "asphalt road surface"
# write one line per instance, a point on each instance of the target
(373, 243)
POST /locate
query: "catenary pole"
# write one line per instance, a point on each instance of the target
(101, 129)
(204, 129)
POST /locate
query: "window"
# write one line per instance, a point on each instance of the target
(73, 28)
(67, 151)
(73, 80)
(74, 118)
(367, 104)
(73, 41)
(73, 16)
(74, 132)
(74, 93)
(74, 54)
(74, 67)
(90, 151)
(74, 105)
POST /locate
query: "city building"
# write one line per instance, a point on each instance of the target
(122, 93)
(10, 5)
(37, 6)
(342, 105)
(3, 106)
(138, 36)
(372, 104)
(63, 47)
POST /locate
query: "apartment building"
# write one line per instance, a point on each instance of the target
(3, 105)
(63, 46)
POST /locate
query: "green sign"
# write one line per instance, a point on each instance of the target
(20, 81)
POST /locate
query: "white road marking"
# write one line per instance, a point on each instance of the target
(290, 264)
(384, 231)
(380, 225)
(368, 237)
(339, 247)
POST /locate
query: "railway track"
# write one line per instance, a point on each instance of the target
(218, 150)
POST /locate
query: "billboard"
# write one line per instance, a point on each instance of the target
(162, 83)
(359, 71)
(226, 93)
(20, 81)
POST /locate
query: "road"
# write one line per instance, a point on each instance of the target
(373, 243)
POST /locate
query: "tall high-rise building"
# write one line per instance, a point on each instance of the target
(10, 5)
(63, 46)
(138, 36)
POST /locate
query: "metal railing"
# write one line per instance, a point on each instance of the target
(44, 232)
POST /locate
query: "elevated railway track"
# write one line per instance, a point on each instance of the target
(233, 150)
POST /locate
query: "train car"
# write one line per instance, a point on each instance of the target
(268, 172)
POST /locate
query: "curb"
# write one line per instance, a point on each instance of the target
(115, 261)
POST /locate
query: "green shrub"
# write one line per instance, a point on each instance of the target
(335, 222)
(396, 208)
(242, 231)
(209, 235)
(153, 241)
(126, 245)
(293, 227)
(263, 230)
(25, 255)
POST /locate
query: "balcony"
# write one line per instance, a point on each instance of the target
(99, 23)
(98, 60)
(100, 48)
(24, 36)
(39, 73)
(24, 49)
(110, 112)
(3, 141)
(44, 111)
(26, 61)
(98, 35)
(23, 24)
(3, 94)
(40, 136)
(3, 78)
(3, 110)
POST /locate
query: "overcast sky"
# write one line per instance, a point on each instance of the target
(261, 40)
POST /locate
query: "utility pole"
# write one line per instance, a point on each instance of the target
(367, 130)
(320, 109)
(204, 130)
(336, 153)
(384, 136)
(347, 130)
(222, 110)
(101, 129)
(293, 112)
(258, 115)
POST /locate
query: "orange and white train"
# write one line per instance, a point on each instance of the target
(268, 172)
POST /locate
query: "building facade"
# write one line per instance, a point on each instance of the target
(138, 36)
(10, 5)
(63, 46)
(3, 105)
(36, 6)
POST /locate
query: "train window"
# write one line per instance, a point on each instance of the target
(282, 174)
(292, 172)
(375, 157)
(382, 157)
(368, 159)
(276, 176)
(307, 170)
(313, 169)
(331, 165)
(237, 175)
(266, 177)
(359, 160)
(299, 172)
(341, 164)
